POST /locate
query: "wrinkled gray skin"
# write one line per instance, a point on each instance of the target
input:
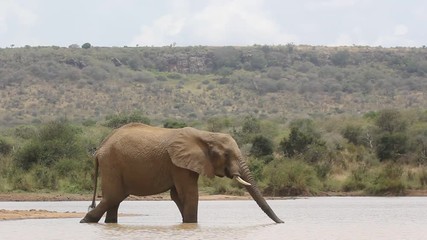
(141, 160)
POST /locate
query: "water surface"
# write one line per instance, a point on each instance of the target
(305, 218)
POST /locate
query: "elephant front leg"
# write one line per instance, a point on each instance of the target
(175, 198)
(190, 209)
(186, 195)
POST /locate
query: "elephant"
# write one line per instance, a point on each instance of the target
(138, 159)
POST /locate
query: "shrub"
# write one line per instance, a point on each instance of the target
(290, 178)
(388, 181)
(43, 178)
(357, 179)
(256, 166)
(25, 132)
(353, 134)
(118, 120)
(423, 177)
(53, 141)
(75, 174)
(5, 147)
(170, 123)
(221, 186)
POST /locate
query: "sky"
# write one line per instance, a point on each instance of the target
(118, 23)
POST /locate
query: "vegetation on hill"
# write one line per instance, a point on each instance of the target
(192, 83)
(309, 119)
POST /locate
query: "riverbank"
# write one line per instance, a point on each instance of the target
(43, 214)
(32, 196)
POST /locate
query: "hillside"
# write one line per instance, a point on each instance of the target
(286, 82)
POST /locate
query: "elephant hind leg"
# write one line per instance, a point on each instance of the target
(95, 214)
(110, 206)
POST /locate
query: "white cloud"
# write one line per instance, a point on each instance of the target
(160, 32)
(338, 3)
(10, 11)
(315, 5)
(236, 22)
(400, 30)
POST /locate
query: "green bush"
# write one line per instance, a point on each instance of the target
(357, 179)
(353, 134)
(391, 145)
(221, 186)
(43, 178)
(261, 146)
(170, 123)
(423, 178)
(302, 137)
(290, 178)
(53, 141)
(387, 181)
(256, 166)
(118, 120)
(25, 132)
(5, 147)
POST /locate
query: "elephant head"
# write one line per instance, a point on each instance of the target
(215, 154)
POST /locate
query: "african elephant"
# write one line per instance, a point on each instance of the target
(137, 159)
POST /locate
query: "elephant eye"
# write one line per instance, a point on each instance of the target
(227, 155)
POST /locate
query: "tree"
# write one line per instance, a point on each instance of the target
(302, 137)
(391, 145)
(392, 139)
(261, 146)
(391, 121)
(341, 58)
(86, 45)
(353, 134)
(226, 57)
(297, 142)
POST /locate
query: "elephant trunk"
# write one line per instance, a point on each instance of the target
(255, 192)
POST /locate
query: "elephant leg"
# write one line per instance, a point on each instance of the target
(188, 194)
(94, 215)
(112, 214)
(175, 198)
(114, 204)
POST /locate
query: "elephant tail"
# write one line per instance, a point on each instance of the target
(93, 205)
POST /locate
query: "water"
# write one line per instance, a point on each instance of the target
(305, 218)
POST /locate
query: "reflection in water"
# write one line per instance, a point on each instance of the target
(182, 231)
(311, 218)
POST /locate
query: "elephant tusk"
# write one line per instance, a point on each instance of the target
(240, 180)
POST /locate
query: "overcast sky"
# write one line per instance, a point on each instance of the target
(386, 23)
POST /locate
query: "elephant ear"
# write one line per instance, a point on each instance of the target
(189, 149)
